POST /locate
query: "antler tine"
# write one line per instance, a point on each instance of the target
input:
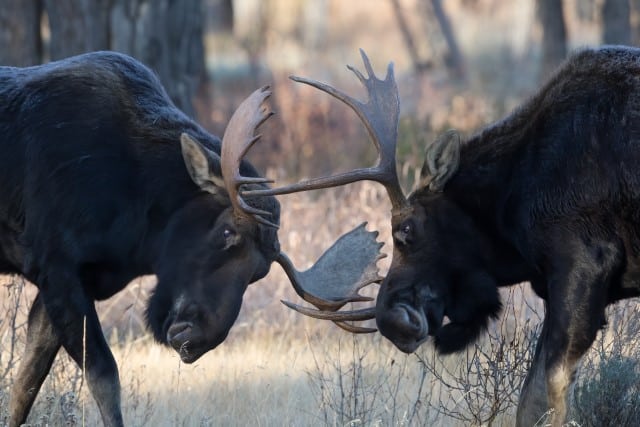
(339, 317)
(354, 329)
(237, 141)
(380, 115)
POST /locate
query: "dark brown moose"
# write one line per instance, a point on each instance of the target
(103, 179)
(549, 195)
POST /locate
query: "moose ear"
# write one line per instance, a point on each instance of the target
(441, 162)
(203, 165)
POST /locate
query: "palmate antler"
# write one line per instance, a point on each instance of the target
(337, 277)
(380, 115)
(345, 268)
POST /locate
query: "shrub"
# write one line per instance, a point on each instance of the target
(607, 392)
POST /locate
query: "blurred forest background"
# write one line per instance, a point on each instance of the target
(458, 63)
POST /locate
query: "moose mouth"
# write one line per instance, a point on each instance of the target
(189, 345)
(406, 327)
(187, 354)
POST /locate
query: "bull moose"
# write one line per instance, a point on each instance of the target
(103, 179)
(550, 195)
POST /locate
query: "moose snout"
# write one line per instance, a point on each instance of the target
(178, 333)
(403, 325)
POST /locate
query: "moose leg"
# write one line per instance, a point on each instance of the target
(40, 351)
(75, 319)
(558, 351)
(566, 344)
(88, 348)
(533, 397)
(577, 297)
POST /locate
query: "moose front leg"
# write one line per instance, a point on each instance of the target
(575, 311)
(558, 351)
(533, 397)
(40, 350)
(76, 322)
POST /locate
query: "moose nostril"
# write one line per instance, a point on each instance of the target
(412, 316)
(178, 329)
(408, 319)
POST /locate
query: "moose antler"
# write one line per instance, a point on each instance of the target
(345, 268)
(337, 277)
(237, 141)
(380, 117)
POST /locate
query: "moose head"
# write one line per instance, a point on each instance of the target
(421, 287)
(239, 245)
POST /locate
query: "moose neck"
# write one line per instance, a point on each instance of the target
(482, 188)
(486, 164)
(489, 159)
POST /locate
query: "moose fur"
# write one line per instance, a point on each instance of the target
(103, 179)
(549, 195)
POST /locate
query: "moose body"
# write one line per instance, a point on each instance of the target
(549, 195)
(95, 191)
(103, 179)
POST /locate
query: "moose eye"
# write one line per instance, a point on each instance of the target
(404, 234)
(228, 233)
(231, 238)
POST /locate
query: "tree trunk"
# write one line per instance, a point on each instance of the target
(168, 37)
(454, 59)
(635, 22)
(20, 41)
(175, 47)
(616, 24)
(418, 64)
(554, 35)
(220, 15)
(77, 26)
